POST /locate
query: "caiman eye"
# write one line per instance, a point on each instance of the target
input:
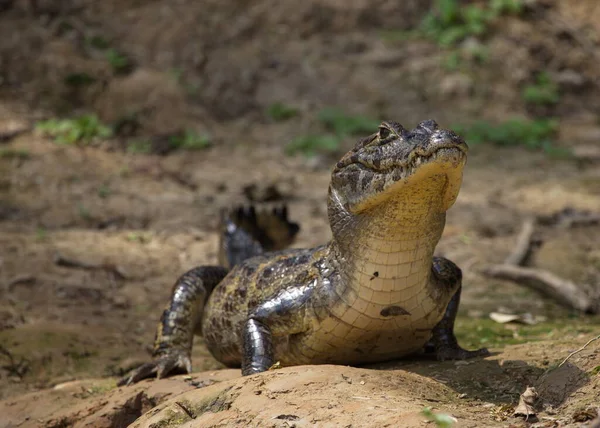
(384, 133)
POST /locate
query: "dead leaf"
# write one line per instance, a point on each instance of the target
(501, 318)
(526, 403)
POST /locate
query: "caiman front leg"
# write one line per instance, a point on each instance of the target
(443, 342)
(179, 320)
(281, 315)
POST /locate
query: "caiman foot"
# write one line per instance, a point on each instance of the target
(455, 352)
(175, 362)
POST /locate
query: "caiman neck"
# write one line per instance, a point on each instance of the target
(389, 247)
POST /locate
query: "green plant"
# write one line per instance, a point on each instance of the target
(280, 112)
(543, 92)
(532, 134)
(453, 61)
(119, 62)
(343, 124)
(83, 129)
(439, 419)
(507, 6)
(41, 233)
(138, 146)
(97, 42)
(310, 145)
(140, 237)
(189, 140)
(84, 213)
(104, 191)
(449, 22)
(14, 154)
(176, 74)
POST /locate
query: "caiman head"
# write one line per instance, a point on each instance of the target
(405, 175)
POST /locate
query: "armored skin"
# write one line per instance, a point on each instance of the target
(376, 292)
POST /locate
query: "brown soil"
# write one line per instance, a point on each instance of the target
(134, 222)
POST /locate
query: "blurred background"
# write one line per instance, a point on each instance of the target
(126, 126)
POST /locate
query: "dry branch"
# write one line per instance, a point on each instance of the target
(67, 262)
(524, 243)
(579, 350)
(562, 290)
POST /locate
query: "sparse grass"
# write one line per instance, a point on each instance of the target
(80, 358)
(280, 112)
(311, 145)
(453, 61)
(514, 7)
(543, 92)
(533, 134)
(450, 22)
(343, 124)
(83, 129)
(337, 122)
(477, 333)
(176, 74)
(83, 212)
(140, 146)
(14, 154)
(104, 191)
(476, 53)
(97, 42)
(124, 171)
(118, 61)
(190, 140)
(439, 419)
(140, 237)
(41, 234)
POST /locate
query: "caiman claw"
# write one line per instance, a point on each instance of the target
(175, 362)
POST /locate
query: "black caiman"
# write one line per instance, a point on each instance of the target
(375, 292)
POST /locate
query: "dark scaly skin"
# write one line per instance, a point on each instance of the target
(375, 292)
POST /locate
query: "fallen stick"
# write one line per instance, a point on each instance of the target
(579, 350)
(564, 291)
(524, 243)
(60, 260)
